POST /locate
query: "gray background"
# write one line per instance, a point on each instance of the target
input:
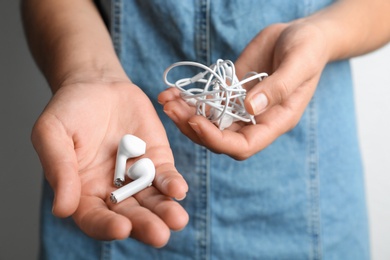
(24, 94)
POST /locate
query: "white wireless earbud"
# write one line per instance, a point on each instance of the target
(130, 146)
(142, 173)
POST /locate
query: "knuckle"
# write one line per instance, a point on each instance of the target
(241, 156)
(37, 130)
(293, 123)
(280, 91)
(275, 27)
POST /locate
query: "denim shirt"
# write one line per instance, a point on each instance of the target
(300, 198)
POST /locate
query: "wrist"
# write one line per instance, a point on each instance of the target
(353, 27)
(87, 72)
(332, 34)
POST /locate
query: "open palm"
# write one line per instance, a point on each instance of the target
(76, 138)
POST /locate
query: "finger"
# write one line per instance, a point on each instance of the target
(97, 221)
(275, 89)
(242, 144)
(280, 118)
(253, 138)
(167, 95)
(147, 226)
(56, 153)
(228, 142)
(176, 108)
(180, 113)
(169, 182)
(171, 212)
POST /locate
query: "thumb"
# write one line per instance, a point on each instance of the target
(275, 89)
(56, 153)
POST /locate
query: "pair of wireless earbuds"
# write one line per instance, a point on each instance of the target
(220, 95)
(142, 172)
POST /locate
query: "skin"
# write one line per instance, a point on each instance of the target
(94, 104)
(76, 137)
(294, 55)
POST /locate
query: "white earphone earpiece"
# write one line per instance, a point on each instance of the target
(130, 146)
(142, 173)
(222, 120)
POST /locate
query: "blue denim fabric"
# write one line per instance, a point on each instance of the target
(300, 198)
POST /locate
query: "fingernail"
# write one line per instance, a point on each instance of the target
(195, 127)
(171, 115)
(259, 102)
(181, 198)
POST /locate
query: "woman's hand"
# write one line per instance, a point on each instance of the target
(294, 56)
(76, 138)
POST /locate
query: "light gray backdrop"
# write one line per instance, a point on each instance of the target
(372, 88)
(24, 94)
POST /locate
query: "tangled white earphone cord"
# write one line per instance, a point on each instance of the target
(221, 99)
